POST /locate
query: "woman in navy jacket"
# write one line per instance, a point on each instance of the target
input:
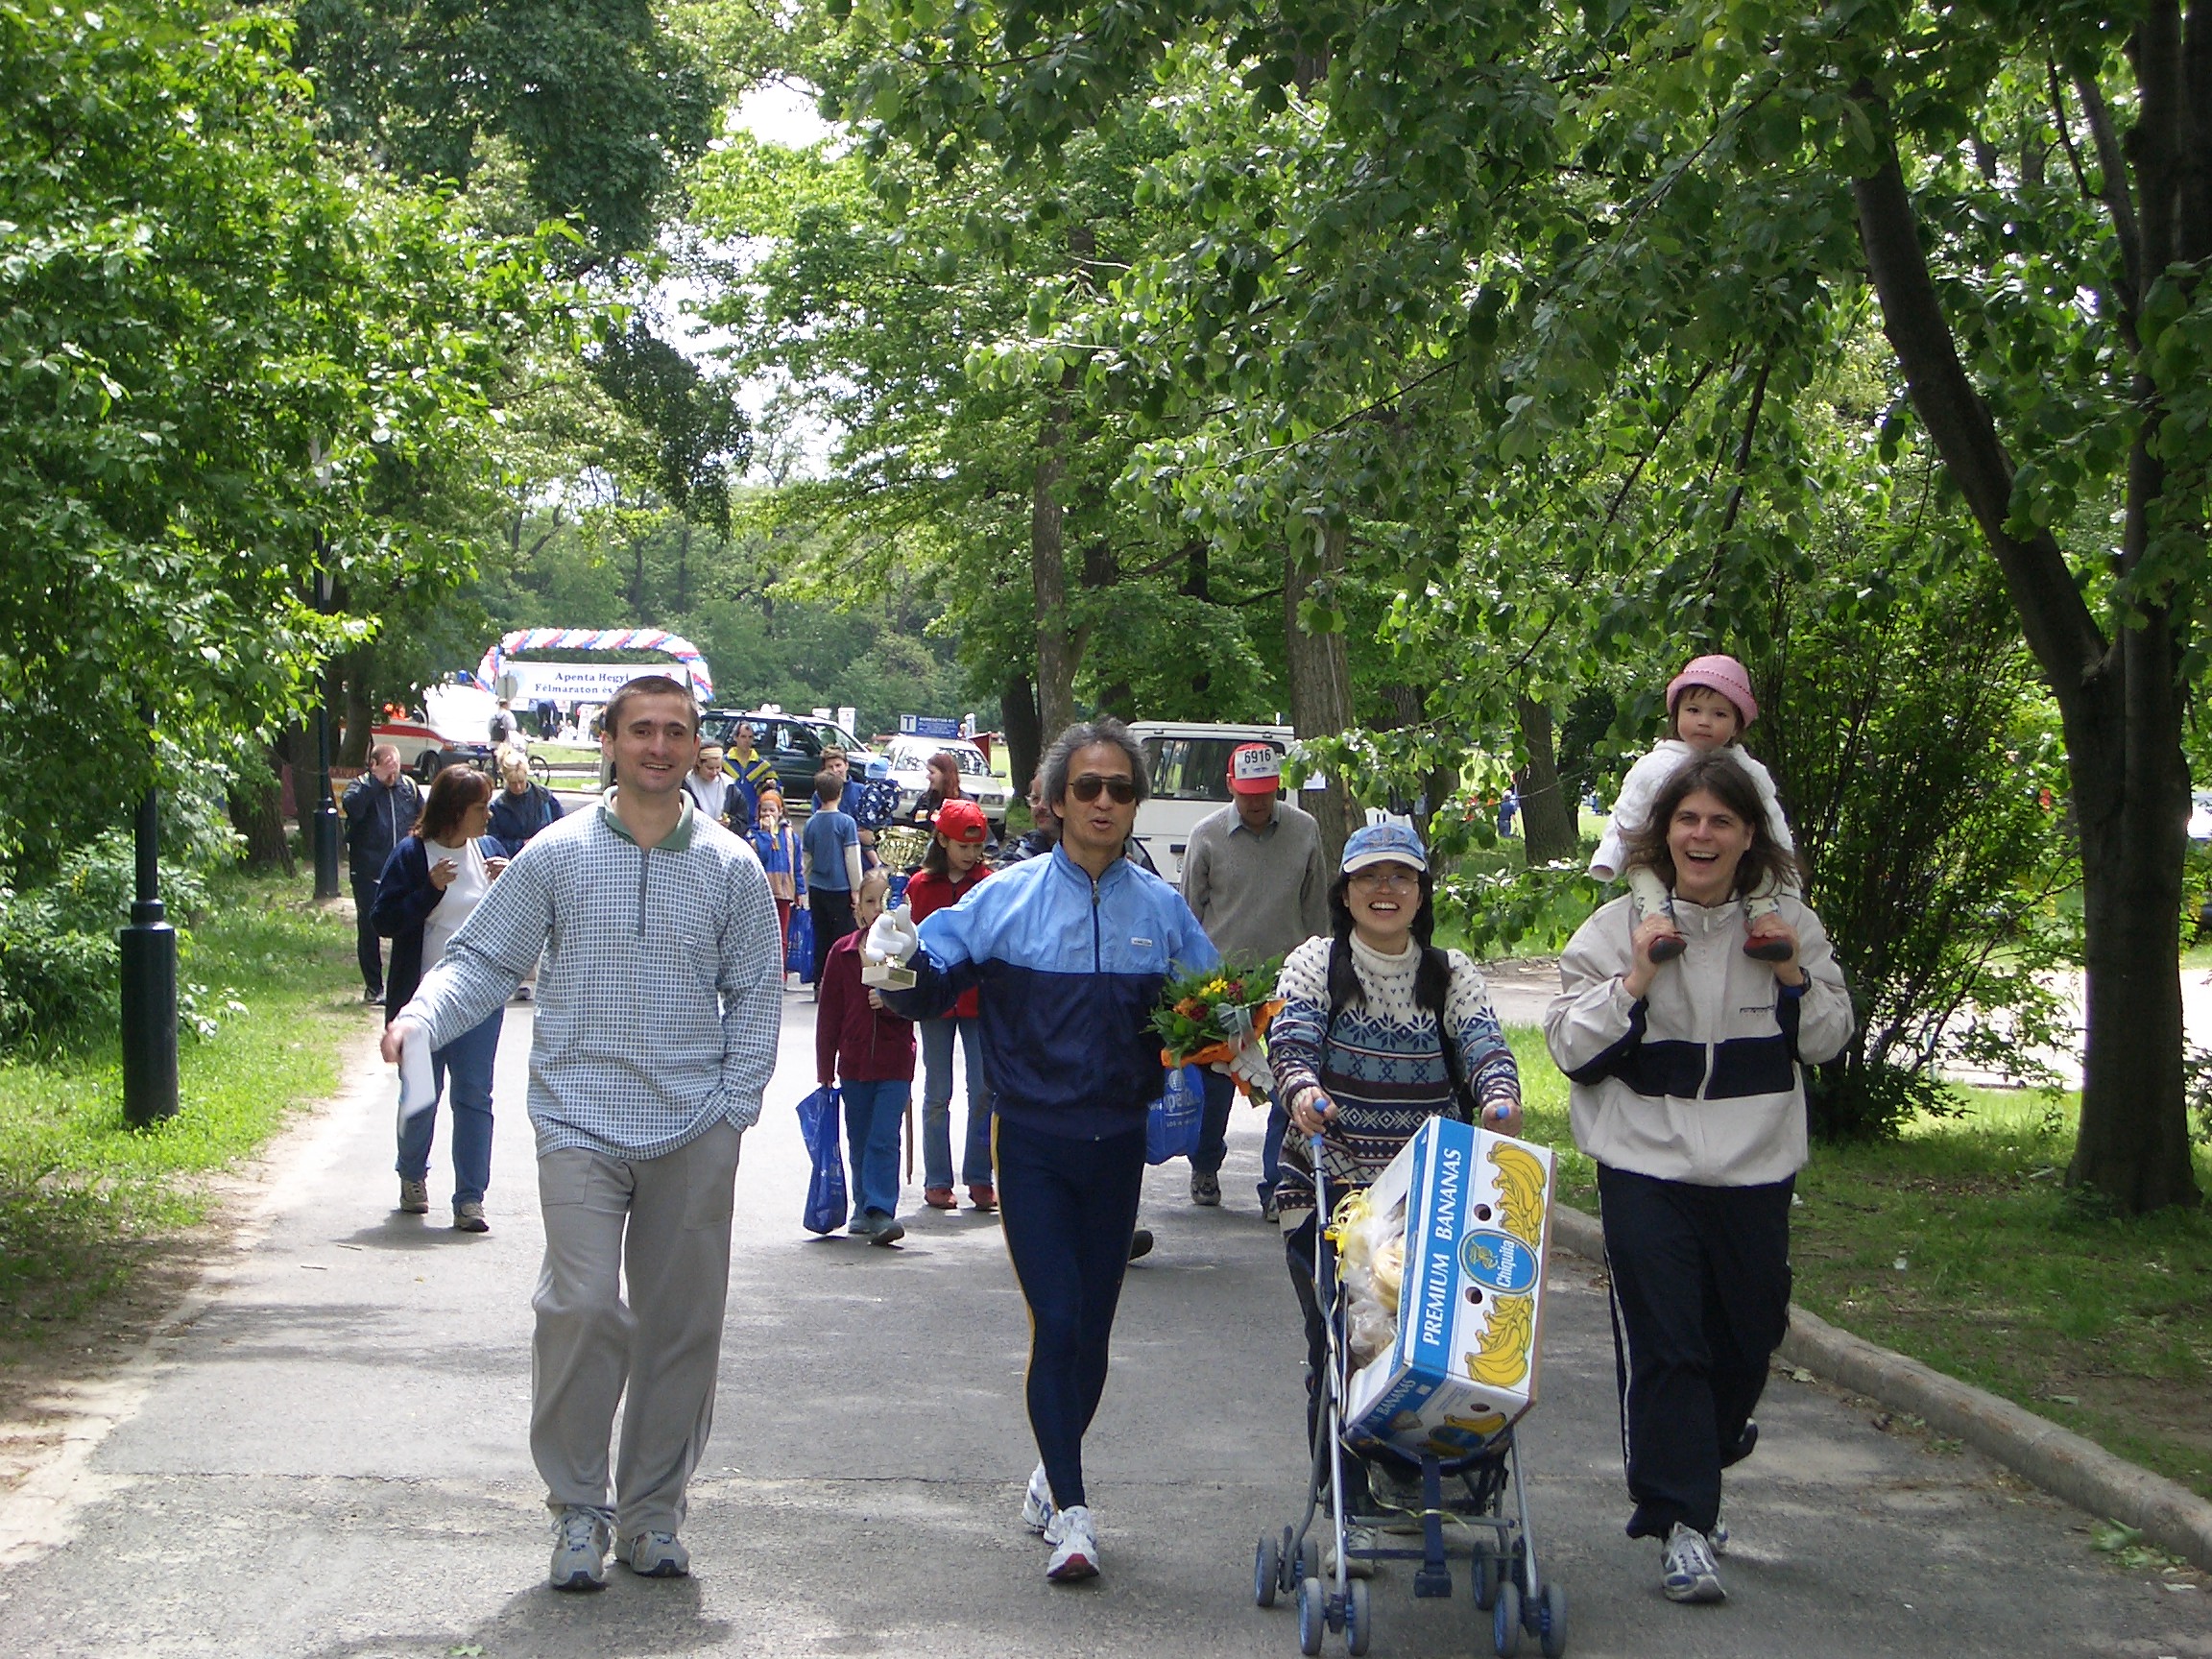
(433, 880)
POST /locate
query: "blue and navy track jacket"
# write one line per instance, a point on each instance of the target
(1070, 972)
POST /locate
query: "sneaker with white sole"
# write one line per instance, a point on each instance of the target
(1718, 1536)
(1356, 1564)
(1075, 1546)
(414, 1197)
(1037, 1509)
(1688, 1572)
(580, 1539)
(470, 1219)
(658, 1556)
(1205, 1189)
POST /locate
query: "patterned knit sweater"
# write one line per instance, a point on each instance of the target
(1382, 1064)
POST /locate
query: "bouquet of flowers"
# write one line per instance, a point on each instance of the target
(1205, 1018)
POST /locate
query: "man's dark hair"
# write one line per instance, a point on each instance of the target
(646, 685)
(829, 787)
(452, 792)
(1720, 775)
(1082, 735)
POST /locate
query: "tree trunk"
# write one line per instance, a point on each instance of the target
(256, 813)
(2120, 703)
(1320, 680)
(1024, 748)
(1056, 651)
(1198, 583)
(1546, 815)
(360, 714)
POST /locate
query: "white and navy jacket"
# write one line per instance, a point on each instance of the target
(1700, 1081)
(1070, 971)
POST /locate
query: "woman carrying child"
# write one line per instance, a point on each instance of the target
(1709, 706)
(949, 871)
(869, 1052)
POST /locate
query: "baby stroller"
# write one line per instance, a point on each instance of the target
(1477, 1494)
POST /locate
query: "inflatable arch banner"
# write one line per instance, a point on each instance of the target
(692, 667)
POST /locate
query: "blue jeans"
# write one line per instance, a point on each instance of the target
(1271, 1149)
(468, 1060)
(873, 1118)
(937, 1104)
(1213, 1132)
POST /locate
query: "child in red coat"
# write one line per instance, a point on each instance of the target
(948, 874)
(869, 1052)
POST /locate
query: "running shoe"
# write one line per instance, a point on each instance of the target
(658, 1556)
(469, 1217)
(1688, 1572)
(414, 1197)
(1076, 1547)
(1718, 1536)
(579, 1551)
(1037, 1509)
(1205, 1189)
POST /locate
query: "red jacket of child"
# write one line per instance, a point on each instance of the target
(926, 892)
(851, 1040)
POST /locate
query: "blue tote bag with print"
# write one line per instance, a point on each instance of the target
(1172, 1126)
(799, 944)
(826, 1188)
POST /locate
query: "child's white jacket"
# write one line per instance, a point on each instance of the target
(1700, 1081)
(1641, 786)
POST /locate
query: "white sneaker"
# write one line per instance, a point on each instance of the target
(658, 1555)
(1075, 1552)
(1356, 1565)
(1037, 1509)
(580, 1541)
(1688, 1572)
(1718, 1536)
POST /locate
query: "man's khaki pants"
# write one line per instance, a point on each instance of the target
(667, 1222)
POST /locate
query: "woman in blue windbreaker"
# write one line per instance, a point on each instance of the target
(1070, 954)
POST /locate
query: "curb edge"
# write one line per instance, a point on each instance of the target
(2061, 1461)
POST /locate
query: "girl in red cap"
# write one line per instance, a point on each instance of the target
(949, 871)
(1709, 705)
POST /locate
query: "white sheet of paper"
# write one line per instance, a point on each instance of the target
(418, 1083)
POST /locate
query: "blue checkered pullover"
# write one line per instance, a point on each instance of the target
(661, 993)
(1380, 1063)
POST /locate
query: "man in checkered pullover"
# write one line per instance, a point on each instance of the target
(657, 1016)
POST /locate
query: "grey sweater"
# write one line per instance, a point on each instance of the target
(1256, 895)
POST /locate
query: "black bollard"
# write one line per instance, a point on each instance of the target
(149, 985)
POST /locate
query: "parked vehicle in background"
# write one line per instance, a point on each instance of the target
(455, 730)
(793, 744)
(1189, 762)
(2201, 815)
(909, 759)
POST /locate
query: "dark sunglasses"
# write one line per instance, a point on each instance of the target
(1087, 787)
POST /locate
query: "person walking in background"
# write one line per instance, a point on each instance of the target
(501, 728)
(868, 1051)
(753, 772)
(712, 788)
(835, 762)
(521, 808)
(658, 1013)
(380, 806)
(431, 884)
(1253, 876)
(1070, 952)
(830, 846)
(944, 770)
(949, 871)
(1709, 705)
(776, 844)
(1687, 1087)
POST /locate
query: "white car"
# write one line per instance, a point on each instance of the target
(909, 760)
(2201, 815)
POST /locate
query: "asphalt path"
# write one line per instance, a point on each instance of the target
(325, 1456)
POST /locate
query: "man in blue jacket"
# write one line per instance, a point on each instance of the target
(380, 808)
(1070, 951)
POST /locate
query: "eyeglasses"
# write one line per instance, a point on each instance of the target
(1087, 787)
(1387, 875)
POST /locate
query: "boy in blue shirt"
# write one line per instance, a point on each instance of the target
(830, 846)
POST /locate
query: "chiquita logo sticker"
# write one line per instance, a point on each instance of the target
(1498, 1261)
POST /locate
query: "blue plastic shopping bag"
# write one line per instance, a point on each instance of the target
(799, 944)
(1172, 1127)
(826, 1188)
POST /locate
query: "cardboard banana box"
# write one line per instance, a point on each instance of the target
(1464, 1362)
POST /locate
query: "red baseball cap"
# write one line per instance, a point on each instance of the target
(1255, 769)
(962, 821)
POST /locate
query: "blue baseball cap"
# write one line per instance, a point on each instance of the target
(1383, 844)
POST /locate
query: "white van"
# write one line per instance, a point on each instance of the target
(1189, 762)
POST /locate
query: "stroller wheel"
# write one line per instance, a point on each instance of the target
(1312, 1615)
(1309, 1562)
(1357, 1629)
(1551, 1619)
(1489, 1571)
(1505, 1621)
(1266, 1569)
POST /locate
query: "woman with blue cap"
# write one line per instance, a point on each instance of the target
(1379, 1031)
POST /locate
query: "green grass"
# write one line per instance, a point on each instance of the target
(83, 1200)
(2100, 1324)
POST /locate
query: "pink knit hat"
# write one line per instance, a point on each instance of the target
(1722, 674)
